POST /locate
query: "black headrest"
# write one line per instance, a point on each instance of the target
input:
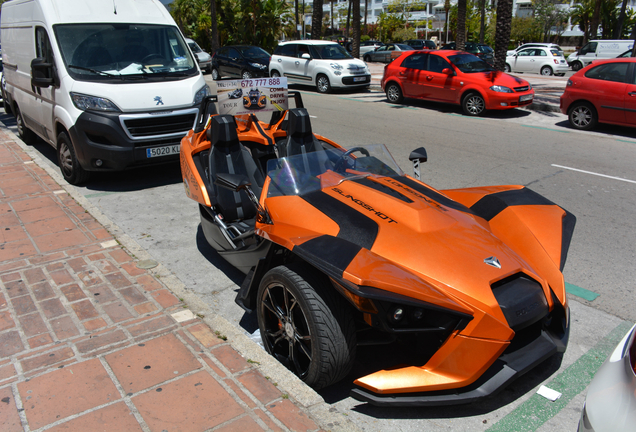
(222, 130)
(298, 122)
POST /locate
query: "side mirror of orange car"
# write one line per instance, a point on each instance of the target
(418, 156)
(447, 71)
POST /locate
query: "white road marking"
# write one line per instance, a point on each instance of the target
(596, 174)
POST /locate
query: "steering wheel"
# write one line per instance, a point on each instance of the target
(150, 56)
(341, 163)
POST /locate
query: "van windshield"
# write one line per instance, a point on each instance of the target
(105, 52)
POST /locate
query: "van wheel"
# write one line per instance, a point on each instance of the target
(67, 160)
(306, 324)
(546, 71)
(322, 84)
(576, 66)
(26, 134)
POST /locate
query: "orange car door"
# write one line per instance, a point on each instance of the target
(441, 86)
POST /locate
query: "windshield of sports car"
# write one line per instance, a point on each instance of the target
(307, 172)
(332, 52)
(124, 52)
(469, 63)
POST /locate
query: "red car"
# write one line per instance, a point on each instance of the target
(454, 77)
(603, 92)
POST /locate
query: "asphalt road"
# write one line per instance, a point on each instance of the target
(592, 174)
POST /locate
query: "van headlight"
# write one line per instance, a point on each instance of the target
(203, 92)
(93, 103)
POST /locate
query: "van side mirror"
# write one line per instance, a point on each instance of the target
(418, 156)
(41, 73)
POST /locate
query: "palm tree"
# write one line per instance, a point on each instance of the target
(618, 30)
(482, 24)
(316, 20)
(460, 39)
(447, 7)
(502, 32)
(355, 49)
(366, 8)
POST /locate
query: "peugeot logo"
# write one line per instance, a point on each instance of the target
(158, 100)
(493, 261)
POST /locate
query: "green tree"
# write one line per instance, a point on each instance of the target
(549, 15)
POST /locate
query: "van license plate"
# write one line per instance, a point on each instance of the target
(162, 151)
(525, 98)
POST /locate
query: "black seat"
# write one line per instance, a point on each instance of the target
(228, 155)
(301, 140)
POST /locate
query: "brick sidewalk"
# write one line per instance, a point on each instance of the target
(89, 341)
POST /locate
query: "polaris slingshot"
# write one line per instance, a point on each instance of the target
(342, 249)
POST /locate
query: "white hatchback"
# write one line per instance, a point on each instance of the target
(324, 64)
(546, 61)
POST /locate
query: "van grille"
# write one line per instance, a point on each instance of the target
(156, 126)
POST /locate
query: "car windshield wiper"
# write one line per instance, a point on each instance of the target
(95, 71)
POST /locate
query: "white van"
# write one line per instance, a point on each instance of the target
(597, 50)
(109, 84)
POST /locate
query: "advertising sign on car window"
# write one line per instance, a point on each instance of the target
(257, 95)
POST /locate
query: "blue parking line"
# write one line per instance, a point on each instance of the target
(545, 128)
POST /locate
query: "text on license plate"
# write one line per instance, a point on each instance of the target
(525, 98)
(162, 151)
(358, 79)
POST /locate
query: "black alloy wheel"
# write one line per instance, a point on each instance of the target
(306, 324)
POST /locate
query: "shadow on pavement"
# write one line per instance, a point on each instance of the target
(447, 108)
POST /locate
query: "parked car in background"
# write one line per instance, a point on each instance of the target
(240, 61)
(321, 63)
(482, 51)
(455, 77)
(204, 59)
(601, 93)
(546, 61)
(383, 54)
(610, 404)
(369, 45)
(533, 45)
(419, 44)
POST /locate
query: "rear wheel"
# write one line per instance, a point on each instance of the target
(394, 93)
(68, 162)
(322, 84)
(473, 104)
(215, 74)
(26, 134)
(306, 324)
(546, 71)
(582, 116)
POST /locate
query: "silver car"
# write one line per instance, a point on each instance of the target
(546, 61)
(610, 404)
(383, 54)
(204, 59)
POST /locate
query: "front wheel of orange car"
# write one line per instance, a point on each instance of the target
(306, 325)
(582, 116)
(394, 93)
(473, 104)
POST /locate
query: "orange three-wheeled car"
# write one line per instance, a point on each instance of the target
(341, 249)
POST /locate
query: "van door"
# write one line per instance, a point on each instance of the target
(44, 97)
(588, 53)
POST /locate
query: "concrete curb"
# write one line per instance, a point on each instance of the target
(285, 380)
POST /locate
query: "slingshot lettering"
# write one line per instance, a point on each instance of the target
(365, 206)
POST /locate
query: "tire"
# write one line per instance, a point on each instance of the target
(7, 107)
(582, 116)
(507, 68)
(274, 74)
(394, 93)
(67, 160)
(246, 75)
(576, 66)
(473, 104)
(366, 58)
(26, 134)
(546, 71)
(322, 84)
(215, 74)
(306, 324)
